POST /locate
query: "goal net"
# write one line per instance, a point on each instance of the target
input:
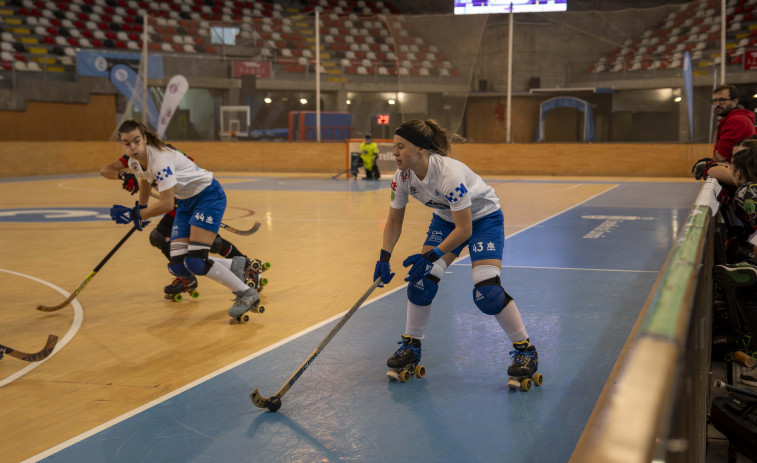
(386, 163)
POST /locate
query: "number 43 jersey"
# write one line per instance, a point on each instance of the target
(449, 185)
(170, 168)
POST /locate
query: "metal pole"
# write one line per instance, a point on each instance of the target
(145, 36)
(508, 122)
(317, 74)
(722, 42)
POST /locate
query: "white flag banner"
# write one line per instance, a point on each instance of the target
(175, 91)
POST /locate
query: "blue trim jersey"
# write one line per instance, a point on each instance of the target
(171, 168)
(449, 186)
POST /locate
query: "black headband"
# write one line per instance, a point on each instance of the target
(414, 137)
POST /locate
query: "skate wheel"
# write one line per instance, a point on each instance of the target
(525, 385)
(405, 376)
(420, 371)
(261, 309)
(263, 281)
(244, 318)
(255, 265)
(177, 297)
(194, 294)
(266, 265)
(538, 379)
(513, 383)
(392, 374)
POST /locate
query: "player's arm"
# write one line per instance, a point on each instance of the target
(393, 228)
(164, 203)
(110, 171)
(462, 231)
(723, 173)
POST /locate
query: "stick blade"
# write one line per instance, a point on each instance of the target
(54, 308)
(259, 400)
(251, 230)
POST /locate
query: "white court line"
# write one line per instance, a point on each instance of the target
(72, 330)
(209, 376)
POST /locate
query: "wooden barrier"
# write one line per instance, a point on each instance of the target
(21, 159)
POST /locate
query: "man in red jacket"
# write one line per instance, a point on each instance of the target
(735, 124)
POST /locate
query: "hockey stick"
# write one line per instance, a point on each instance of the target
(91, 275)
(718, 384)
(273, 403)
(52, 340)
(237, 231)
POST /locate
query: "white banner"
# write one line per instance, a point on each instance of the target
(175, 91)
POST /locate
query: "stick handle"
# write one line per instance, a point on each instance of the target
(326, 340)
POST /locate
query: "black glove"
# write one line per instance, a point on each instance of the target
(701, 168)
(130, 181)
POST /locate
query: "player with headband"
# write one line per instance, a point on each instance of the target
(466, 212)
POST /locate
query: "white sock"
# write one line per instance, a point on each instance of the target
(221, 261)
(510, 321)
(223, 275)
(417, 319)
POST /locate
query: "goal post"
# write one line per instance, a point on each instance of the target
(386, 163)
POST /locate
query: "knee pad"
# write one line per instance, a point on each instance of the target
(490, 297)
(176, 267)
(217, 245)
(158, 239)
(422, 292)
(197, 261)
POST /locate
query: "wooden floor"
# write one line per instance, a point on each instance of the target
(122, 345)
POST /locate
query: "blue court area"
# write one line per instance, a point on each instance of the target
(579, 278)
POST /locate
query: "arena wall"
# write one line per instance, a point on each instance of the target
(22, 159)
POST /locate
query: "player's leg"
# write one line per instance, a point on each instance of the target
(160, 237)
(200, 217)
(485, 245)
(420, 295)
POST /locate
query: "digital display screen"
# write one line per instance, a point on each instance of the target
(382, 119)
(503, 6)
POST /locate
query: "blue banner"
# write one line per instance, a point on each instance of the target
(99, 64)
(125, 79)
(688, 86)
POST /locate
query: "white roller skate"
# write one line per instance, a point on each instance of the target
(404, 363)
(246, 302)
(522, 371)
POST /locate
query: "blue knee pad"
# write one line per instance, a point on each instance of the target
(197, 262)
(422, 292)
(490, 297)
(176, 267)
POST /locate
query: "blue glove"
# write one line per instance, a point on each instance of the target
(123, 215)
(421, 264)
(383, 269)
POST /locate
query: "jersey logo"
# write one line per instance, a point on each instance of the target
(405, 174)
(436, 205)
(394, 185)
(457, 194)
(163, 174)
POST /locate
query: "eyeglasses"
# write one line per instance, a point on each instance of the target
(715, 101)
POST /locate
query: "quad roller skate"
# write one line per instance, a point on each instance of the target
(250, 270)
(247, 302)
(522, 371)
(181, 285)
(404, 363)
(254, 273)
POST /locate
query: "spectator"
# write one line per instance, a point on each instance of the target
(736, 123)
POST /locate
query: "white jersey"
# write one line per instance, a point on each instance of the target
(449, 185)
(170, 168)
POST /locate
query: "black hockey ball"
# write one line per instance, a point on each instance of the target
(274, 405)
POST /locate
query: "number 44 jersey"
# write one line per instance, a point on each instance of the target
(449, 185)
(169, 168)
